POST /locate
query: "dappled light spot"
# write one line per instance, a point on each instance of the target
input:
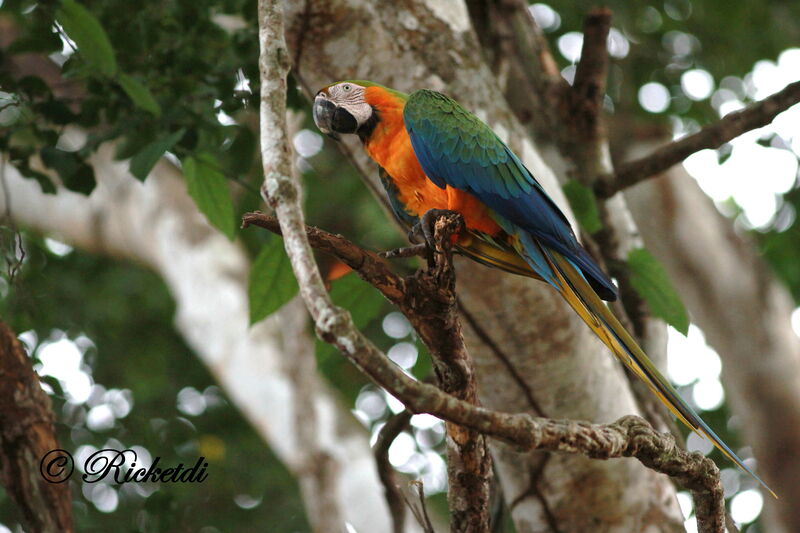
(404, 354)
(371, 404)
(708, 394)
(307, 143)
(746, 506)
(654, 97)
(545, 17)
(697, 84)
(57, 247)
(618, 45)
(696, 443)
(731, 481)
(396, 326)
(570, 45)
(63, 360)
(191, 401)
(649, 20)
(690, 358)
(100, 418)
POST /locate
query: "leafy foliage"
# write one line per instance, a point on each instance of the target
(90, 37)
(651, 281)
(208, 188)
(584, 204)
(144, 161)
(272, 282)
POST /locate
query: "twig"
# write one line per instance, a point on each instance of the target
(394, 497)
(28, 444)
(421, 513)
(589, 86)
(712, 136)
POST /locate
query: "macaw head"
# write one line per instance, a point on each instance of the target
(342, 108)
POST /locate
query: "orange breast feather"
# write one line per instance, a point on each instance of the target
(390, 147)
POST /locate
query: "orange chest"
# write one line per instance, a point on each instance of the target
(391, 148)
(393, 152)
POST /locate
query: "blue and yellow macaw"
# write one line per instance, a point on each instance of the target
(435, 155)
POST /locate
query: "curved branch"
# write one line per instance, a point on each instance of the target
(712, 136)
(630, 436)
(394, 498)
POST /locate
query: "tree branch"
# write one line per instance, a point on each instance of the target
(589, 86)
(27, 436)
(628, 437)
(712, 136)
(394, 498)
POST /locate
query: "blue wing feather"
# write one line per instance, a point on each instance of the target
(480, 163)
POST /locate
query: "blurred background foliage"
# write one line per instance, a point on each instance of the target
(180, 78)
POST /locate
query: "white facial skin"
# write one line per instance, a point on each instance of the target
(349, 96)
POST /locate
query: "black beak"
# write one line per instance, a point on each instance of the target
(331, 119)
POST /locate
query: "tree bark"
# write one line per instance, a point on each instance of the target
(28, 444)
(531, 352)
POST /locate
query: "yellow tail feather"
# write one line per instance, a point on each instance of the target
(580, 296)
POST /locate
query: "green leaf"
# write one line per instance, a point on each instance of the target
(75, 173)
(650, 280)
(90, 37)
(208, 187)
(44, 181)
(584, 204)
(272, 282)
(139, 94)
(359, 297)
(144, 161)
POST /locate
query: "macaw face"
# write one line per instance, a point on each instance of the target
(341, 108)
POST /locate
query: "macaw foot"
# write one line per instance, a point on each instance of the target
(427, 225)
(425, 230)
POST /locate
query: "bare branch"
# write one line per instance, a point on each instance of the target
(712, 136)
(28, 443)
(628, 437)
(421, 513)
(394, 498)
(589, 86)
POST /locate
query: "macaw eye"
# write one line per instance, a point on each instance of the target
(346, 87)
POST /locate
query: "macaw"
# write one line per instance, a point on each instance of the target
(435, 156)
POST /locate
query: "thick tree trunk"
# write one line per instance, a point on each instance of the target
(532, 353)
(745, 314)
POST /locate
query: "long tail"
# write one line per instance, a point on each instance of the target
(576, 291)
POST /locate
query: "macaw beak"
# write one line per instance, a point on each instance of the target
(332, 119)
